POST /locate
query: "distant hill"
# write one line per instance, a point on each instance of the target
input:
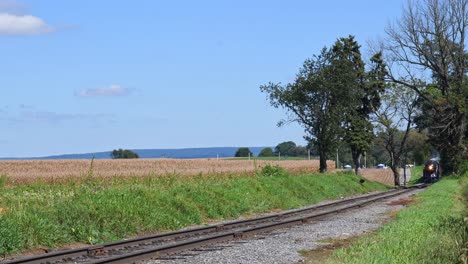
(185, 153)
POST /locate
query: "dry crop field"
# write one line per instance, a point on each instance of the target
(384, 176)
(25, 171)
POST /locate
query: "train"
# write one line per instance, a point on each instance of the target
(431, 171)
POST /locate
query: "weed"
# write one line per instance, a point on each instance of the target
(273, 171)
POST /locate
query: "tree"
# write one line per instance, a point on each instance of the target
(266, 152)
(300, 151)
(243, 152)
(363, 90)
(426, 49)
(332, 97)
(419, 150)
(312, 101)
(124, 154)
(398, 111)
(287, 148)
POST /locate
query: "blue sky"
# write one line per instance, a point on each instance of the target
(87, 76)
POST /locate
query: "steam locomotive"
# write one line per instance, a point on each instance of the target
(431, 172)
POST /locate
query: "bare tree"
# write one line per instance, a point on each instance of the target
(426, 53)
(393, 122)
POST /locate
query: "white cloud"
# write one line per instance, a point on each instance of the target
(22, 25)
(112, 90)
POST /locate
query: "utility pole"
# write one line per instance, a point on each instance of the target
(365, 159)
(308, 153)
(249, 155)
(404, 169)
(337, 160)
(279, 155)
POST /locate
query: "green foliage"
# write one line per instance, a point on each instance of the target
(313, 100)
(273, 171)
(290, 149)
(416, 174)
(436, 42)
(243, 152)
(332, 97)
(123, 154)
(111, 209)
(266, 152)
(432, 230)
(393, 124)
(418, 149)
(363, 91)
(464, 167)
(287, 148)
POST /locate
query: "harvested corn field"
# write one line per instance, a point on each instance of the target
(55, 170)
(384, 176)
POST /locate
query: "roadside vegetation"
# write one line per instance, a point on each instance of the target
(431, 230)
(94, 209)
(416, 174)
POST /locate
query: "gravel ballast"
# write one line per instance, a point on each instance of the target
(282, 246)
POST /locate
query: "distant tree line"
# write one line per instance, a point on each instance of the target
(284, 149)
(124, 154)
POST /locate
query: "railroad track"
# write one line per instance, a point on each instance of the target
(164, 244)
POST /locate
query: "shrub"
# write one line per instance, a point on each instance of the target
(273, 170)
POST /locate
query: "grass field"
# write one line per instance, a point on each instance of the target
(431, 230)
(26, 171)
(41, 215)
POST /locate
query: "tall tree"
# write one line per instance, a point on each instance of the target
(393, 123)
(312, 101)
(419, 151)
(426, 49)
(362, 90)
(332, 98)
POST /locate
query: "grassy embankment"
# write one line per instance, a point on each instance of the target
(431, 230)
(416, 174)
(94, 209)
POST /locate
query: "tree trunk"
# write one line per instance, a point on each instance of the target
(323, 162)
(396, 175)
(356, 160)
(394, 166)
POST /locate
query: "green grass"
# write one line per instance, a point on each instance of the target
(432, 230)
(96, 210)
(416, 174)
